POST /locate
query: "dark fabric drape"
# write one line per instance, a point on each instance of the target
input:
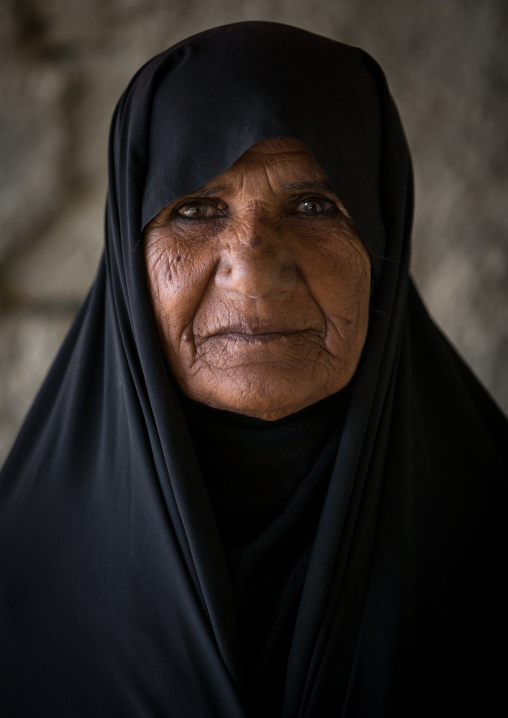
(116, 594)
(267, 482)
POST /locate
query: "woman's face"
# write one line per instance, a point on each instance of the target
(260, 285)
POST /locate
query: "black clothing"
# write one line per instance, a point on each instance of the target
(267, 482)
(117, 596)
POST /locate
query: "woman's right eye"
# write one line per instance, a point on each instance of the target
(198, 210)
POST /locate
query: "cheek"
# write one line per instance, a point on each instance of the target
(175, 298)
(341, 285)
(161, 269)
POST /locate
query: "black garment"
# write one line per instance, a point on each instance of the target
(267, 482)
(116, 598)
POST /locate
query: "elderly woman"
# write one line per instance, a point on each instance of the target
(257, 481)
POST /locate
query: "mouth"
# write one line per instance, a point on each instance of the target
(265, 332)
(270, 341)
(253, 336)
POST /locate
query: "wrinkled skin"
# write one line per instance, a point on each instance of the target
(260, 285)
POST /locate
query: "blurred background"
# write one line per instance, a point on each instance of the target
(63, 65)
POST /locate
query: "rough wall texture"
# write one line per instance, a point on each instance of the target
(63, 65)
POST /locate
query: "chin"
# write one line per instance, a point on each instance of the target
(271, 396)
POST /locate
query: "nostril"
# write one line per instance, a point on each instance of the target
(255, 279)
(256, 266)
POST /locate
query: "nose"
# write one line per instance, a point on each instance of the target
(257, 262)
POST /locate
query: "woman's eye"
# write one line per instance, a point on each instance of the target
(198, 210)
(311, 206)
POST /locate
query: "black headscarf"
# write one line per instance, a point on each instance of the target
(116, 596)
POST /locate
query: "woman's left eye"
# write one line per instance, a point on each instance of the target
(311, 206)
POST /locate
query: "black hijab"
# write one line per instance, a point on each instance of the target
(116, 597)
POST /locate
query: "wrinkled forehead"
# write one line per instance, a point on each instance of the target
(280, 163)
(224, 91)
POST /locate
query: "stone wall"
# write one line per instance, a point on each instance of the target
(64, 63)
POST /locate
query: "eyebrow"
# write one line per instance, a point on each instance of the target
(309, 185)
(210, 189)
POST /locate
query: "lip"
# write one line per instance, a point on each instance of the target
(252, 336)
(251, 332)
